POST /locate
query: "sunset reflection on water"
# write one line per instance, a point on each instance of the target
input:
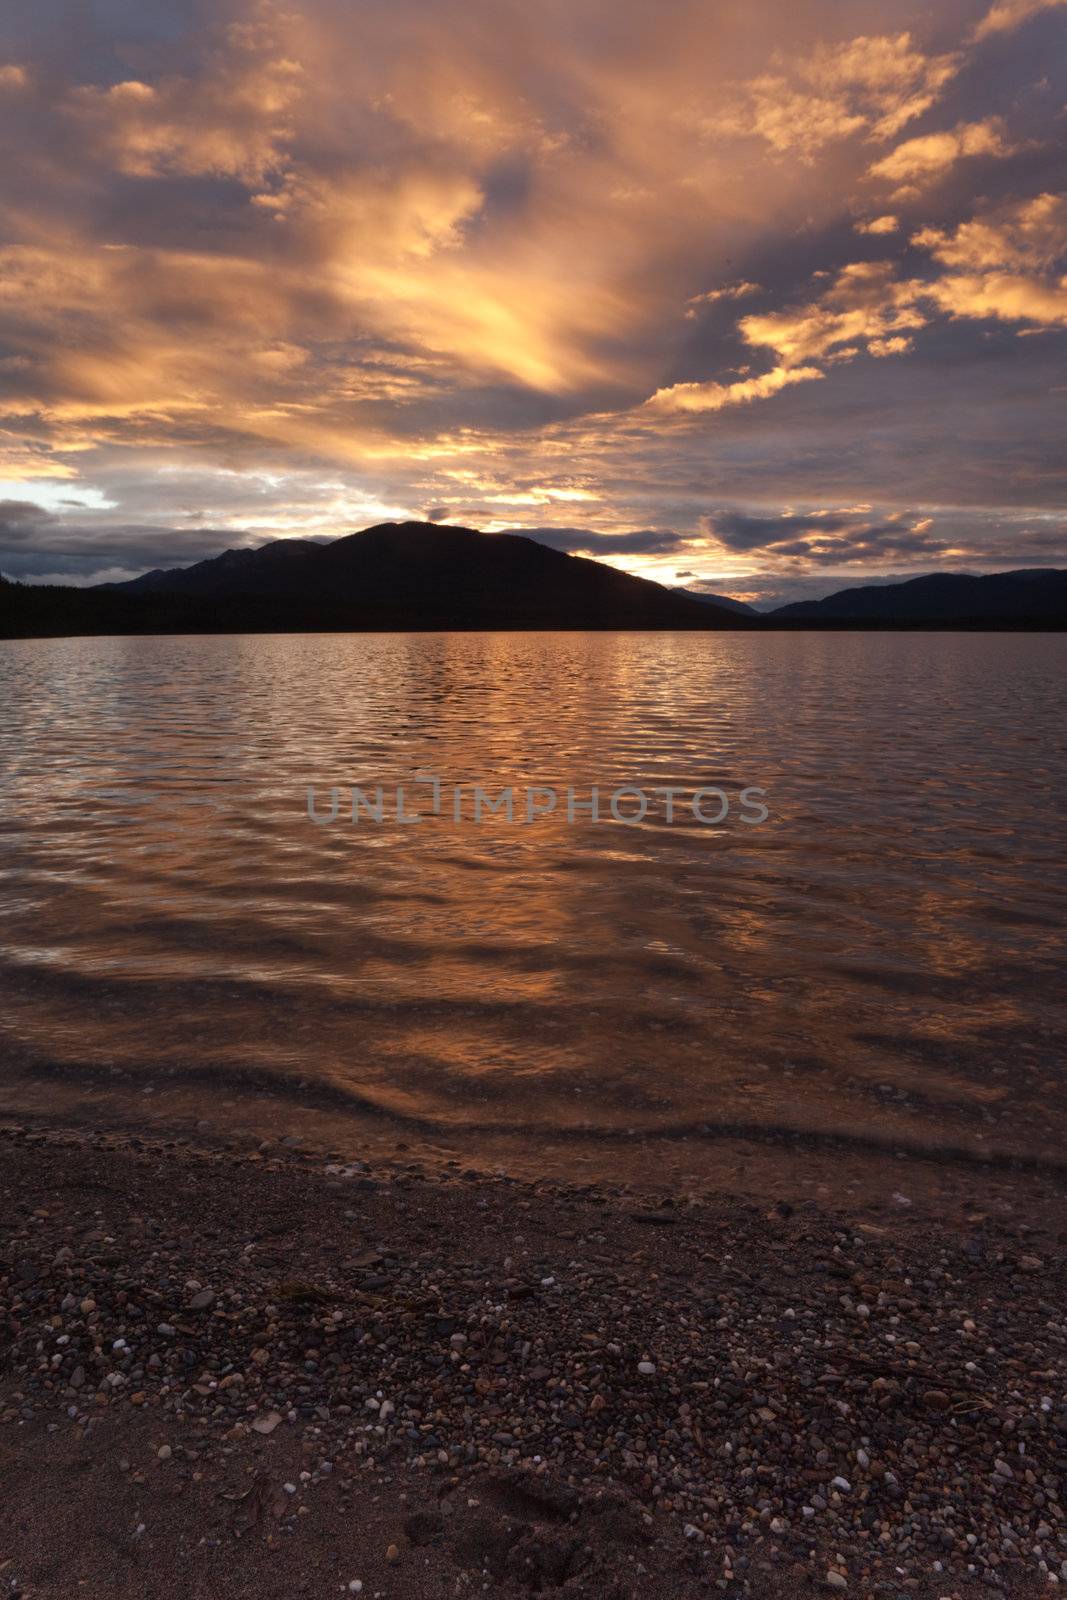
(881, 960)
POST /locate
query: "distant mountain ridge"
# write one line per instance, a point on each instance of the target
(423, 576)
(726, 600)
(1031, 594)
(247, 570)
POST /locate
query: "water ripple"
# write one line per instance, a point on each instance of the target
(881, 962)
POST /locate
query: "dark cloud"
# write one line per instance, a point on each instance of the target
(739, 530)
(23, 520)
(647, 541)
(47, 545)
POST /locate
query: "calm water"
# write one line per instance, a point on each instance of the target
(882, 960)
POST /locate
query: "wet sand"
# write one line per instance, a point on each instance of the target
(261, 1371)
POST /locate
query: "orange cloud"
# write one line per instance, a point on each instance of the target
(1030, 234)
(864, 302)
(1001, 295)
(871, 85)
(455, 246)
(922, 160)
(868, 306)
(689, 397)
(733, 291)
(1011, 14)
(896, 346)
(891, 78)
(233, 119)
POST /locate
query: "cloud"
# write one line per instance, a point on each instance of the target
(647, 541)
(866, 301)
(710, 297)
(22, 520)
(232, 119)
(1008, 259)
(297, 267)
(920, 161)
(75, 576)
(895, 346)
(817, 533)
(690, 397)
(1010, 14)
(889, 76)
(870, 85)
(869, 306)
(1003, 297)
(1029, 235)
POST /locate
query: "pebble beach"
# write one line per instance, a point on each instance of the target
(263, 1371)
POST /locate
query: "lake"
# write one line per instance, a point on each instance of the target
(875, 971)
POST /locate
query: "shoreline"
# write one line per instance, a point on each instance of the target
(792, 625)
(858, 1169)
(578, 1390)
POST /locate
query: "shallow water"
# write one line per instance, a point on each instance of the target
(881, 961)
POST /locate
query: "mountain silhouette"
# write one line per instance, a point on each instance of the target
(1035, 596)
(740, 606)
(431, 576)
(433, 572)
(395, 576)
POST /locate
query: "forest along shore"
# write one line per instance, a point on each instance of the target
(272, 1374)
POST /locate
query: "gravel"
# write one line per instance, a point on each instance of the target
(796, 1399)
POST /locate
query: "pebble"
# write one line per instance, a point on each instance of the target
(399, 1345)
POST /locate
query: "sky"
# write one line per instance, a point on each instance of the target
(758, 297)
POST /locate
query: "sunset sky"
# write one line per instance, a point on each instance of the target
(757, 296)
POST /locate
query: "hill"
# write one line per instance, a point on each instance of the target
(740, 606)
(396, 576)
(425, 576)
(1031, 597)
